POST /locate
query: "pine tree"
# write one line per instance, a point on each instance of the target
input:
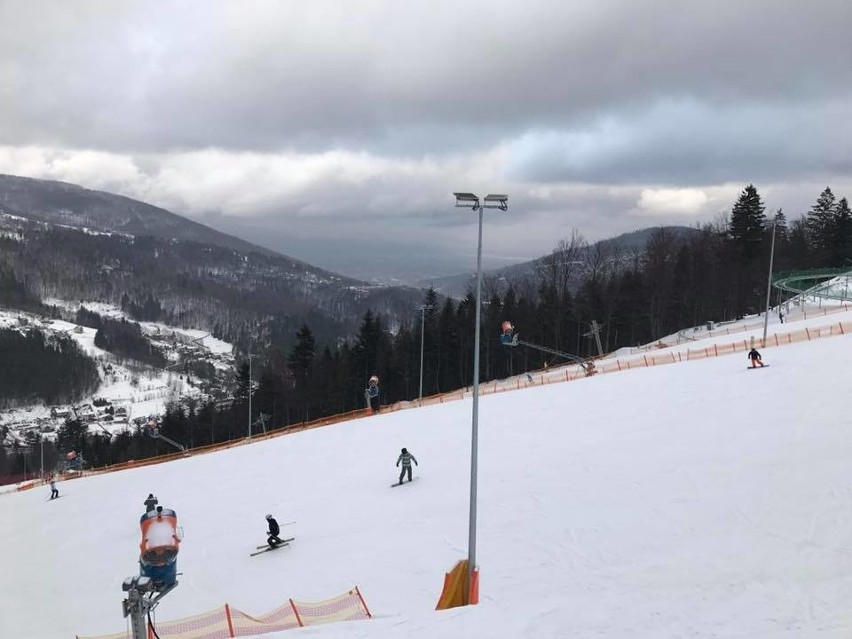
(820, 224)
(781, 230)
(301, 364)
(841, 238)
(748, 222)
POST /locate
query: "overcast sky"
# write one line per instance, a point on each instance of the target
(337, 131)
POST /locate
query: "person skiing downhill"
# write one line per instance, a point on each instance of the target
(406, 458)
(755, 358)
(54, 491)
(274, 530)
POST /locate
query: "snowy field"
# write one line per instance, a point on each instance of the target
(699, 499)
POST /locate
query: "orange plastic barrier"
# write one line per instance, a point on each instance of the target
(227, 622)
(454, 593)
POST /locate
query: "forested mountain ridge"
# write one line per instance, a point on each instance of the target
(575, 249)
(241, 293)
(74, 206)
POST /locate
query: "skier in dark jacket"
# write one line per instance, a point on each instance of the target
(406, 458)
(150, 503)
(272, 534)
(754, 356)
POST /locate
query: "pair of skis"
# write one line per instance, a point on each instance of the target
(266, 547)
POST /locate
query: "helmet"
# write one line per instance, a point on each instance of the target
(404, 451)
(269, 516)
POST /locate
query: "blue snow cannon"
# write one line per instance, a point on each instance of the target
(159, 547)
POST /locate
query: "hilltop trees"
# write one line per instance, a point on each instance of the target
(748, 223)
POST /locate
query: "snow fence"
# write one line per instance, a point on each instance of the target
(227, 622)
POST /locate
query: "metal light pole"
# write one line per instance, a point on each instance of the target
(249, 396)
(769, 286)
(469, 200)
(422, 331)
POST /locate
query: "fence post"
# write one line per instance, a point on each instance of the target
(296, 612)
(228, 618)
(363, 603)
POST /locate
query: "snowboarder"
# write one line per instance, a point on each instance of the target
(754, 356)
(406, 458)
(54, 491)
(272, 534)
(150, 503)
(372, 394)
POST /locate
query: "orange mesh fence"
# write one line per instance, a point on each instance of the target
(227, 622)
(208, 625)
(347, 607)
(282, 618)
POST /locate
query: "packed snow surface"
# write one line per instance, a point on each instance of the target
(697, 499)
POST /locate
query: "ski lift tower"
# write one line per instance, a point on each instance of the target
(595, 331)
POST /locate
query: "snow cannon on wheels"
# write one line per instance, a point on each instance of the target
(159, 547)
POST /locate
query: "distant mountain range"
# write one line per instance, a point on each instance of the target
(526, 272)
(70, 205)
(63, 241)
(59, 240)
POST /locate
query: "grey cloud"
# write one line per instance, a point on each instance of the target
(686, 143)
(317, 126)
(271, 75)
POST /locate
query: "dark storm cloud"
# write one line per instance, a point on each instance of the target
(341, 117)
(436, 75)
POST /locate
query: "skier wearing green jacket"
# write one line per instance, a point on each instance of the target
(406, 458)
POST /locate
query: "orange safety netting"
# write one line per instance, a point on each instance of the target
(227, 622)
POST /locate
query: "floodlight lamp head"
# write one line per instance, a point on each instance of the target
(496, 202)
(467, 200)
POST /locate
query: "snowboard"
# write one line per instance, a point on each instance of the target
(266, 547)
(751, 367)
(394, 485)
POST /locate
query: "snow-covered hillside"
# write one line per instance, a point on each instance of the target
(139, 391)
(697, 499)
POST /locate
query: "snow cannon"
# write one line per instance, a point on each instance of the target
(73, 461)
(159, 547)
(506, 334)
